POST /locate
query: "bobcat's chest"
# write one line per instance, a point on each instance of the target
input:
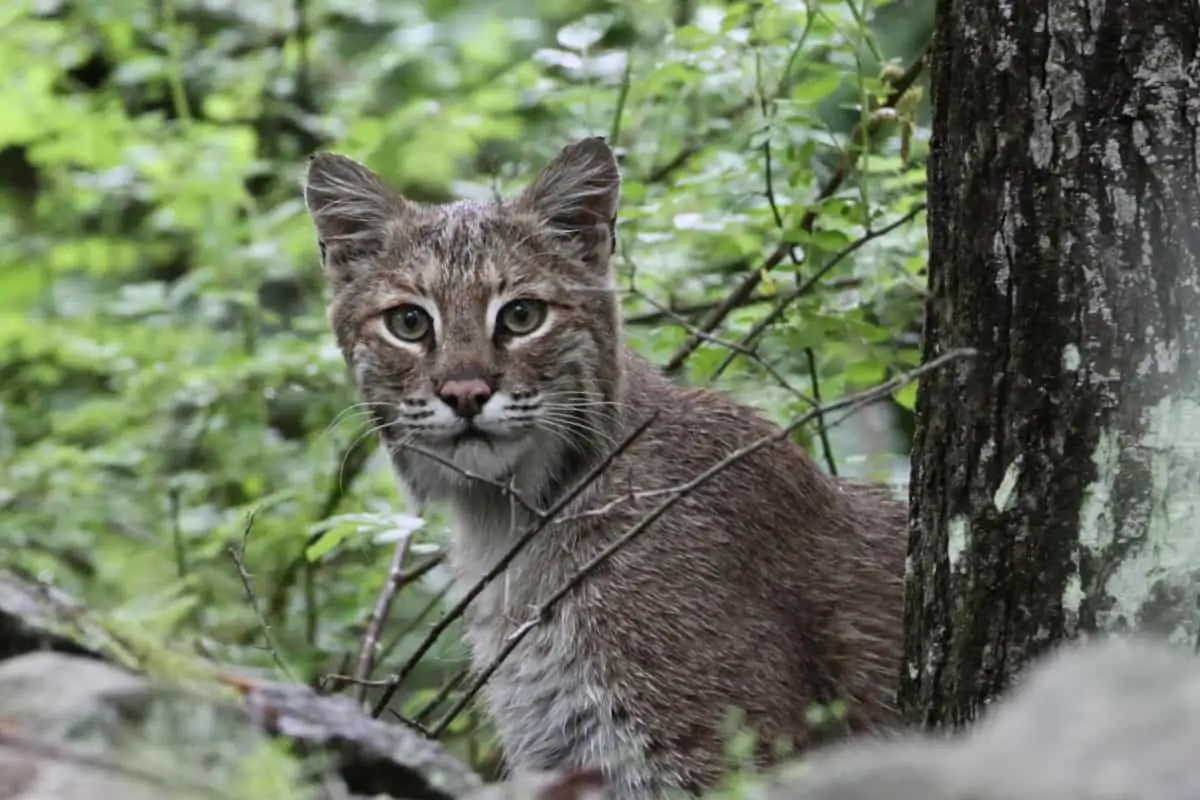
(548, 697)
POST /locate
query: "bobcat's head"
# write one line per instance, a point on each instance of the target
(485, 334)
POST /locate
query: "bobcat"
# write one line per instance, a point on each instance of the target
(486, 340)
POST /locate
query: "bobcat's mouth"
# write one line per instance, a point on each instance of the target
(471, 434)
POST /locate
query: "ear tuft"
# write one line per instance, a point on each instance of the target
(576, 194)
(350, 206)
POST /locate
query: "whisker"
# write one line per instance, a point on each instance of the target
(573, 423)
(563, 435)
(590, 396)
(577, 409)
(359, 417)
(354, 408)
(582, 403)
(366, 432)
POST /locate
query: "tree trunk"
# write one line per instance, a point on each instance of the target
(1056, 476)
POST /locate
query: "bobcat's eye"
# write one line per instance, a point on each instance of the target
(521, 317)
(408, 323)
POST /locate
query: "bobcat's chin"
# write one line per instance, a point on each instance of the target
(490, 457)
(498, 451)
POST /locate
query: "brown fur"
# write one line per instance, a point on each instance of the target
(768, 588)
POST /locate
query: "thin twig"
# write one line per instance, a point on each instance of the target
(351, 463)
(419, 571)
(748, 352)
(335, 680)
(332, 681)
(673, 310)
(858, 141)
(416, 726)
(768, 112)
(309, 587)
(181, 564)
(303, 94)
(541, 612)
(379, 614)
(767, 105)
(435, 602)
(680, 160)
(457, 610)
(784, 300)
(822, 429)
(236, 552)
(505, 488)
(668, 168)
(614, 132)
(442, 694)
(402, 635)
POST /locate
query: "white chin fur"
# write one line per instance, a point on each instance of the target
(520, 462)
(495, 460)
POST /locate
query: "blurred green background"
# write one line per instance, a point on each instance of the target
(165, 367)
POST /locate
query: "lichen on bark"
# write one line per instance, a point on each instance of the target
(1150, 567)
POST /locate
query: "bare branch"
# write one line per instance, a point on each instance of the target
(334, 678)
(416, 573)
(237, 553)
(416, 726)
(822, 428)
(383, 604)
(435, 601)
(853, 401)
(674, 310)
(397, 580)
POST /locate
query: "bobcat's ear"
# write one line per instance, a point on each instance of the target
(352, 209)
(576, 195)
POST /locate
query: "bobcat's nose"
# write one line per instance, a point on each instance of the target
(466, 397)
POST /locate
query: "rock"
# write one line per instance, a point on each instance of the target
(583, 785)
(38, 617)
(373, 756)
(75, 727)
(1115, 720)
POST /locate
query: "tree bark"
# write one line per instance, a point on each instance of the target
(1056, 476)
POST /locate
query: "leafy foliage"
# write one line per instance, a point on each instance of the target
(165, 369)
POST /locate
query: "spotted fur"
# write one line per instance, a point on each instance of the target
(768, 588)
